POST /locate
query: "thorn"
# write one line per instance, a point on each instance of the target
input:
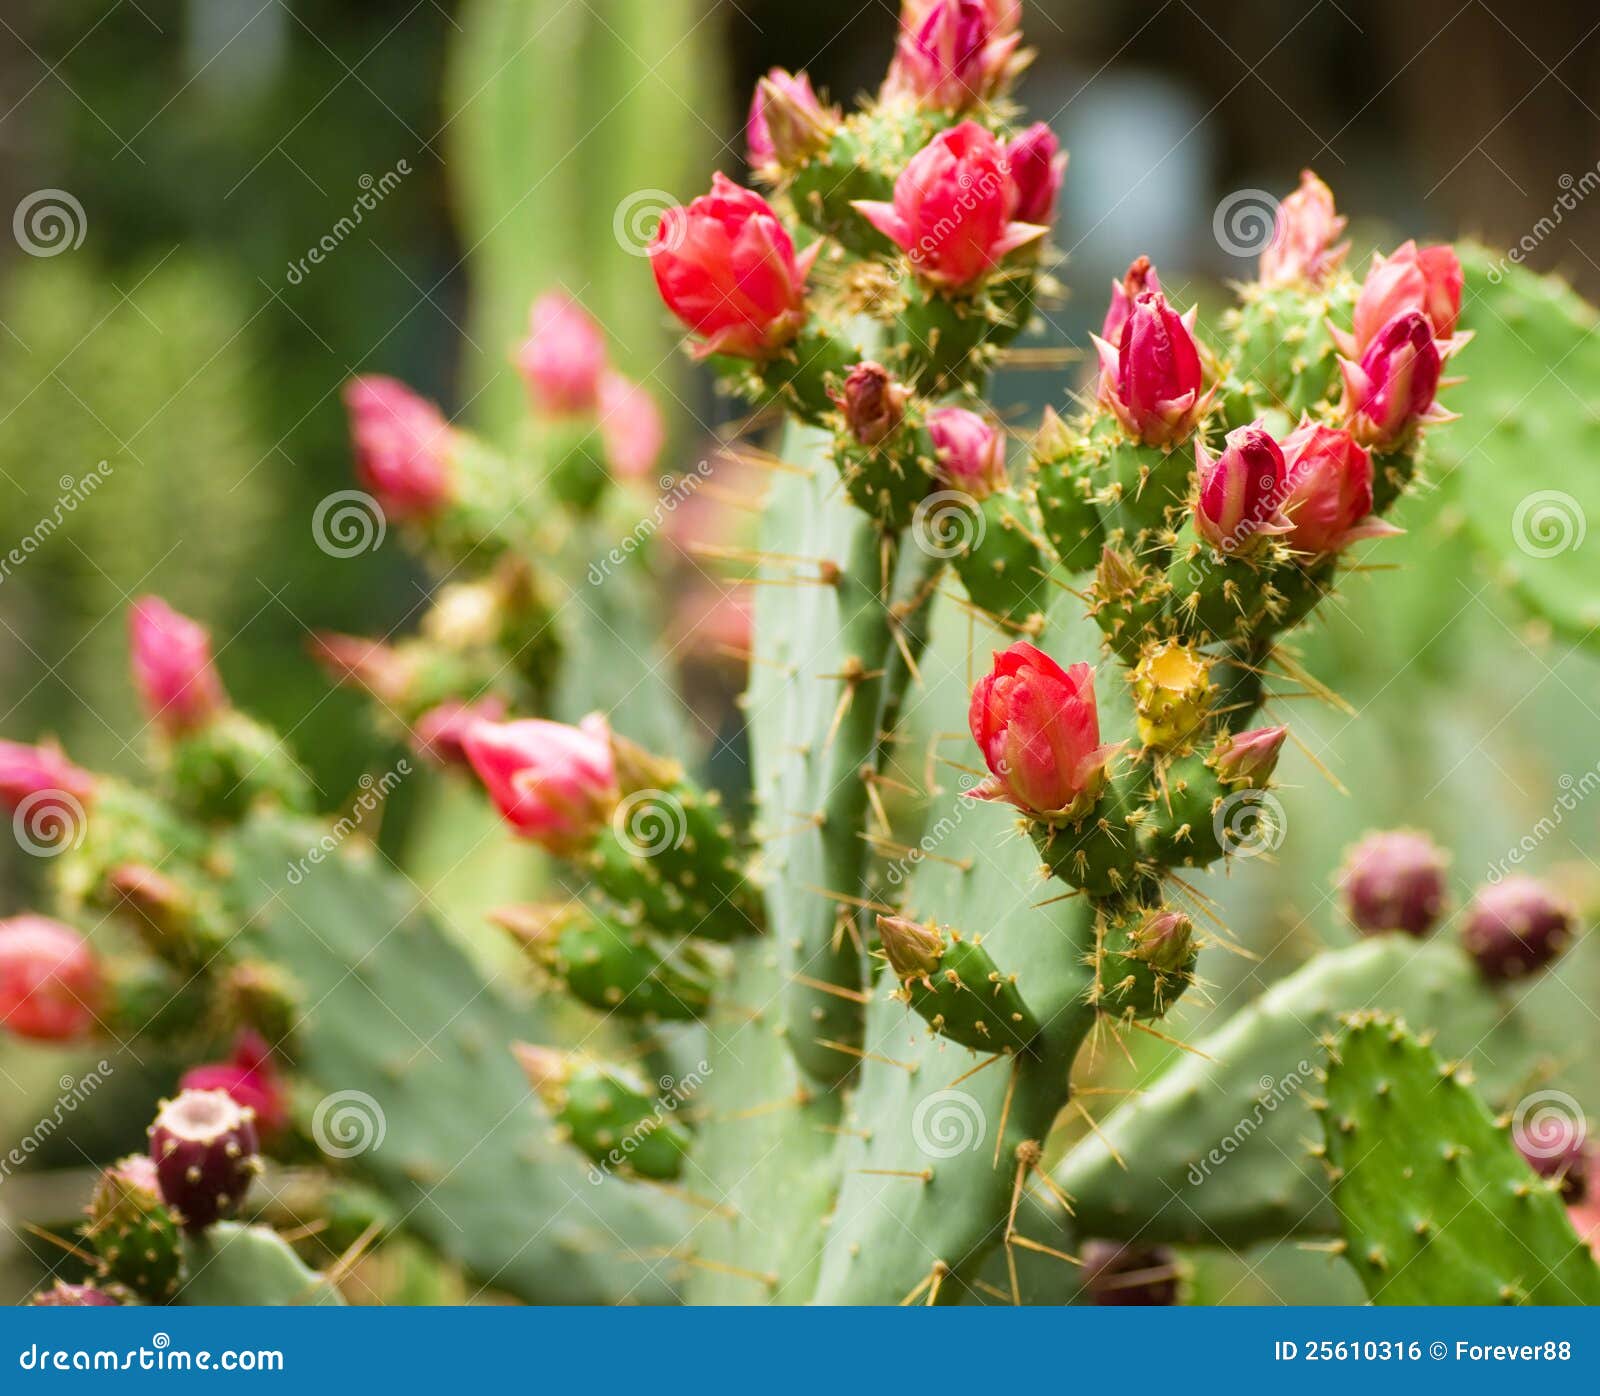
(838, 991)
(864, 1055)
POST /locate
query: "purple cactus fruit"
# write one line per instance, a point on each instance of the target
(204, 1145)
(1553, 1144)
(1515, 927)
(63, 1295)
(1131, 1275)
(1394, 881)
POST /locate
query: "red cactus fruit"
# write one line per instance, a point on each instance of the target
(204, 1144)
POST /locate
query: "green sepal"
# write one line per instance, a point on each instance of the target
(1003, 570)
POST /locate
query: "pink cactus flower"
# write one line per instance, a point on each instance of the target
(1249, 758)
(33, 770)
(251, 1079)
(969, 450)
(1139, 278)
(1428, 279)
(555, 784)
(354, 661)
(1039, 732)
(952, 54)
(1241, 491)
(404, 447)
(873, 404)
(1328, 491)
(1152, 379)
(788, 123)
(727, 268)
(563, 358)
(954, 209)
(1302, 249)
(632, 429)
(437, 735)
(172, 668)
(50, 981)
(1038, 165)
(1392, 389)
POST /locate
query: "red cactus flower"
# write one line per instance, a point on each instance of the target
(953, 53)
(1037, 166)
(1428, 279)
(563, 358)
(1139, 278)
(172, 669)
(50, 981)
(970, 452)
(954, 209)
(1302, 247)
(1392, 390)
(727, 268)
(404, 447)
(632, 430)
(438, 735)
(251, 1078)
(1039, 732)
(1152, 378)
(788, 123)
(555, 784)
(1241, 491)
(1328, 491)
(33, 770)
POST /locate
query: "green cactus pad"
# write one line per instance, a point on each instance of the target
(1437, 1204)
(1003, 567)
(629, 970)
(620, 1122)
(966, 998)
(236, 1265)
(1283, 357)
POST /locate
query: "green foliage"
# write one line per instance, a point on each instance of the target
(234, 1264)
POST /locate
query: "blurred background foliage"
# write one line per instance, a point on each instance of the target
(212, 143)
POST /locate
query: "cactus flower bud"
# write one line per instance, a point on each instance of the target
(1327, 497)
(970, 451)
(954, 209)
(1139, 278)
(912, 949)
(71, 1296)
(1302, 247)
(172, 667)
(50, 982)
(357, 662)
(1171, 693)
(404, 447)
(1037, 166)
(563, 358)
(1129, 1276)
(204, 1145)
(555, 784)
(1515, 927)
(727, 268)
(1394, 881)
(1392, 389)
(437, 735)
(547, 1069)
(1428, 279)
(1152, 378)
(1164, 941)
(1039, 732)
(250, 1077)
(631, 427)
(1241, 491)
(1248, 758)
(788, 123)
(1553, 1143)
(952, 54)
(873, 404)
(26, 771)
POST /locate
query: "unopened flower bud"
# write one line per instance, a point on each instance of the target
(873, 404)
(788, 123)
(970, 452)
(1249, 758)
(912, 949)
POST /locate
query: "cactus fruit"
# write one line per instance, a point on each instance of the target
(1515, 927)
(134, 1232)
(1394, 881)
(205, 1145)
